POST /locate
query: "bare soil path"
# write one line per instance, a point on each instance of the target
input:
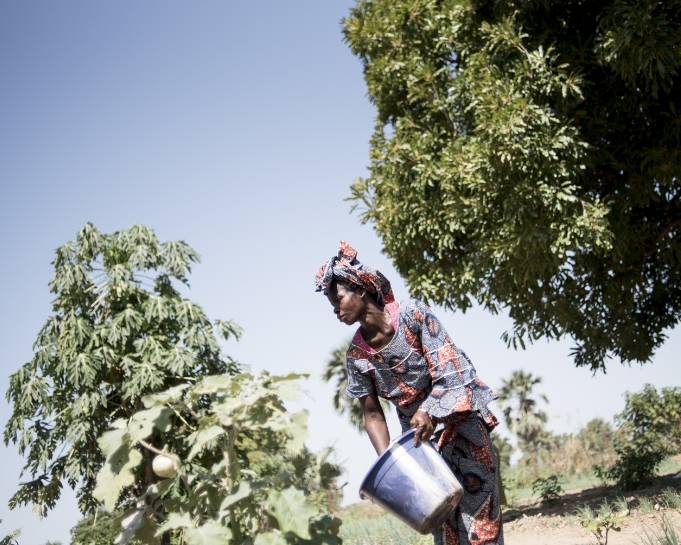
(533, 524)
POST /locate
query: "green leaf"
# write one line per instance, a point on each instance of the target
(211, 533)
(131, 524)
(241, 491)
(292, 511)
(203, 437)
(272, 538)
(172, 394)
(175, 521)
(112, 440)
(115, 475)
(143, 423)
(214, 384)
(298, 431)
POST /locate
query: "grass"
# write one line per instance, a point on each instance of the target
(383, 530)
(587, 480)
(663, 534)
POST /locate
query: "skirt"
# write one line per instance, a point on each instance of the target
(466, 446)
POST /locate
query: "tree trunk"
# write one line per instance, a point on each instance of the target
(534, 461)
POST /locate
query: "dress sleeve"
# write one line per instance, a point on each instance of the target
(455, 385)
(360, 381)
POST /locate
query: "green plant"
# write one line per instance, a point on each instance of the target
(647, 505)
(601, 522)
(672, 498)
(549, 489)
(650, 427)
(119, 330)
(96, 529)
(525, 157)
(521, 414)
(383, 530)
(621, 505)
(666, 534)
(228, 437)
(10, 539)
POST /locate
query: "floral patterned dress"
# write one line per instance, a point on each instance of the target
(422, 369)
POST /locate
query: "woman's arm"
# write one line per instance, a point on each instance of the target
(374, 422)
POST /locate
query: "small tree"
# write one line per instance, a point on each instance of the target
(650, 427)
(119, 330)
(243, 473)
(95, 529)
(521, 414)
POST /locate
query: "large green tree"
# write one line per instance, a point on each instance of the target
(119, 330)
(527, 156)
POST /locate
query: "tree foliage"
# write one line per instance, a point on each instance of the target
(651, 431)
(243, 474)
(521, 414)
(95, 529)
(119, 330)
(527, 156)
(10, 539)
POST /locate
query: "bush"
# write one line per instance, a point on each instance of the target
(99, 530)
(651, 432)
(549, 489)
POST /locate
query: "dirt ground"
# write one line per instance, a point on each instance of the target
(533, 524)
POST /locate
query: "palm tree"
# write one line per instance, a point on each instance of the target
(521, 414)
(335, 370)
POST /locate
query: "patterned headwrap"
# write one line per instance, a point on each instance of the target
(345, 265)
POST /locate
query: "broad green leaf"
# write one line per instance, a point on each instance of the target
(211, 533)
(214, 384)
(272, 538)
(292, 511)
(203, 437)
(130, 524)
(172, 394)
(143, 423)
(113, 478)
(298, 431)
(112, 440)
(241, 490)
(174, 521)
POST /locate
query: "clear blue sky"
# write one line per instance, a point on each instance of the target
(238, 127)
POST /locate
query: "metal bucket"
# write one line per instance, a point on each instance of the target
(413, 483)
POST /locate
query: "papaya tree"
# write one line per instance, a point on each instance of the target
(119, 330)
(234, 463)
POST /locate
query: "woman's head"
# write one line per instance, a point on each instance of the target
(345, 267)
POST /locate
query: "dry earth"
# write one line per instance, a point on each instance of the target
(557, 530)
(532, 524)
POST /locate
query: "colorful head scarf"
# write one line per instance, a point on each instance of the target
(345, 265)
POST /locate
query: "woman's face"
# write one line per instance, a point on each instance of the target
(348, 306)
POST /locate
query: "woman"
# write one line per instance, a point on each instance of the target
(402, 353)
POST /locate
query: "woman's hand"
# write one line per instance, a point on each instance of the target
(422, 423)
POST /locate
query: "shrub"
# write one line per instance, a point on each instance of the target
(548, 488)
(651, 426)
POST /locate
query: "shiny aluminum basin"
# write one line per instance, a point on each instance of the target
(413, 483)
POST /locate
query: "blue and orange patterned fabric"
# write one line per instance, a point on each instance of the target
(422, 369)
(346, 265)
